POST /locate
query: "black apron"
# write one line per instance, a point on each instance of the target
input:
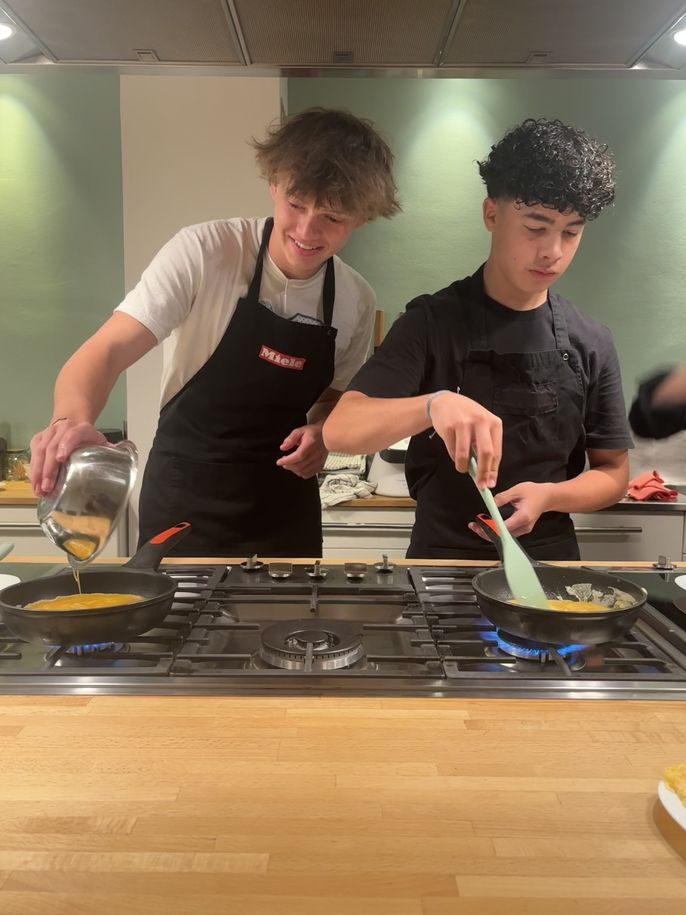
(213, 460)
(540, 398)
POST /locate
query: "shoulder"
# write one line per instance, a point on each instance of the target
(587, 333)
(221, 238)
(442, 307)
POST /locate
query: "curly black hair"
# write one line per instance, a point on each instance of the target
(549, 163)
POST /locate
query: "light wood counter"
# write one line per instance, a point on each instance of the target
(351, 806)
(17, 493)
(307, 806)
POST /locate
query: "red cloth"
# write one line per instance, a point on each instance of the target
(647, 486)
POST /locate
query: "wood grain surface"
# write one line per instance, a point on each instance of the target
(350, 806)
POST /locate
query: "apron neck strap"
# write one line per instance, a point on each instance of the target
(329, 292)
(256, 282)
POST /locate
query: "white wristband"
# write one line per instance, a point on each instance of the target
(430, 399)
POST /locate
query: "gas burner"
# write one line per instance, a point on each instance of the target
(280, 571)
(311, 644)
(384, 565)
(316, 572)
(355, 571)
(525, 650)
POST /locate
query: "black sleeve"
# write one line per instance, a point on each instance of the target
(399, 365)
(655, 422)
(606, 423)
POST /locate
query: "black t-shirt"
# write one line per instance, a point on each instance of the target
(425, 348)
(511, 331)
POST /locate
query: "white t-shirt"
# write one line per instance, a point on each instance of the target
(188, 295)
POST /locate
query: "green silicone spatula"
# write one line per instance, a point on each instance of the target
(520, 574)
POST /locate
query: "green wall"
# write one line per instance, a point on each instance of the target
(61, 245)
(631, 269)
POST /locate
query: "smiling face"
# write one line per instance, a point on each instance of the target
(531, 248)
(304, 235)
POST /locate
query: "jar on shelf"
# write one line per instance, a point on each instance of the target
(17, 464)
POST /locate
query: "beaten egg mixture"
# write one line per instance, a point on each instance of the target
(84, 602)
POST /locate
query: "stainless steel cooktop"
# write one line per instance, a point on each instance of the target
(374, 629)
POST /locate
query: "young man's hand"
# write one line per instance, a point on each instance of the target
(464, 425)
(309, 455)
(529, 501)
(51, 448)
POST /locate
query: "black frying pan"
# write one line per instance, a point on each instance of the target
(111, 624)
(554, 627)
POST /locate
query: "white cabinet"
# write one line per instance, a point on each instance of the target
(630, 536)
(19, 524)
(356, 533)
(611, 535)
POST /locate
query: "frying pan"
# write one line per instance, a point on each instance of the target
(553, 627)
(119, 623)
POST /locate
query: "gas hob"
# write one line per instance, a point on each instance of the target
(360, 629)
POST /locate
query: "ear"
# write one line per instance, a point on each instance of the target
(273, 189)
(490, 213)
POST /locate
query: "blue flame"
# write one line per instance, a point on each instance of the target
(532, 652)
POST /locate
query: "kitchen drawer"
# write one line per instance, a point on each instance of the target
(18, 524)
(630, 536)
(608, 535)
(356, 533)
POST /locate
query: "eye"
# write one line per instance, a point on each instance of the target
(295, 205)
(571, 234)
(535, 231)
(334, 219)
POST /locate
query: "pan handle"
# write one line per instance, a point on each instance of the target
(151, 553)
(488, 526)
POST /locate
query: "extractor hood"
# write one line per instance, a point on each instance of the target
(313, 37)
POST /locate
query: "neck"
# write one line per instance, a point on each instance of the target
(498, 287)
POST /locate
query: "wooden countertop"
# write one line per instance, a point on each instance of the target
(353, 806)
(16, 493)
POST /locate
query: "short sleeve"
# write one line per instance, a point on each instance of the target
(163, 297)
(398, 367)
(606, 422)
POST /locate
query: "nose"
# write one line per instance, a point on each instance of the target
(307, 225)
(551, 248)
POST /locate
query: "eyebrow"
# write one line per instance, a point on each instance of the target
(548, 220)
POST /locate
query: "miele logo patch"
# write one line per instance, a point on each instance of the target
(277, 358)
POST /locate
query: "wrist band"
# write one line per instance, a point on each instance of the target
(430, 399)
(58, 420)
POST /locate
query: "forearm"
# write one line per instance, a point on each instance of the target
(363, 425)
(600, 486)
(82, 388)
(323, 407)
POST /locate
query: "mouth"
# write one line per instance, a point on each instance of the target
(544, 274)
(303, 249)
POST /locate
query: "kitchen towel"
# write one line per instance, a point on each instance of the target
(342, 487)
(649, 486)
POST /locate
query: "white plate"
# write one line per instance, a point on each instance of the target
(672, 804)
(7, 580)
(680, 580)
